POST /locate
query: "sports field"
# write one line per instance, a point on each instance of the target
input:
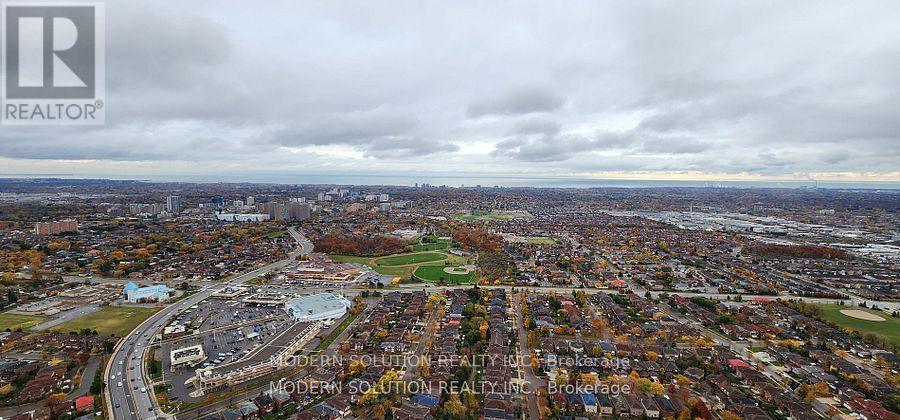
(24, 322)
(889, 328)
(434, 246)
(437, 273)
(404, 265)
(540, 240)
(482, 215)
(406, 259)
(403, 271)
(492, 215)
(116, 320)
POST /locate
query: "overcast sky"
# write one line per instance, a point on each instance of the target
(642, 89)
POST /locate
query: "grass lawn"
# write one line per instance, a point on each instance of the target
(404, 265)
(407, 259)
(401, 271)
(465, 217)
(350, 259)
(276, 234)
(404, 272)
(154, 367)
(540, 240)
(24, 322)
(489, 215)
(889, 328)
(109, 320)
(436, 273)
(433, 246)
(458, 260)
(333, 335)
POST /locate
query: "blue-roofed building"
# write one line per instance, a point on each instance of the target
(129, 287)
(156, 293)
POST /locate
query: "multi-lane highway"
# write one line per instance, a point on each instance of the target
(133, 398)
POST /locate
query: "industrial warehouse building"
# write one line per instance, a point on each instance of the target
(317, 307)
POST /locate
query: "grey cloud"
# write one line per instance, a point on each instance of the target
(377, 134)
(536, 126)
(517, 102)
(406, 148)
(164, 50)
(551, 148)
(107, 144)
(768, 88)
(674, 146)
(349, 129)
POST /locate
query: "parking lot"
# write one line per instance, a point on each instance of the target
(230, 332)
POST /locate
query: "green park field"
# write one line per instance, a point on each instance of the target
(404, 265)
(433, 246)
(24, 322)
(116, 320)
(473, 216)
(436, 273)
(889, 328)
(482, 215)
(540, 240)
(407, 259)
(350, 259)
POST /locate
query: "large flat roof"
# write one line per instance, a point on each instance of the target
(316, 304)
(265, 351)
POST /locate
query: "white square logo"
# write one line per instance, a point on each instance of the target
(54, 63)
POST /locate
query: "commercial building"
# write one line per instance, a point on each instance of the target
(266, 298)
(266, 359)
(174, 331)
(317, 307)
(229, 292)
(322, 270)
(157, 293)
(190, 355)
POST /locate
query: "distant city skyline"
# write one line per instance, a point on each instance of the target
(514, 92)
(468, 181)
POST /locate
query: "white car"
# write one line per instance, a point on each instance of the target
(144, 390)
(120, 383)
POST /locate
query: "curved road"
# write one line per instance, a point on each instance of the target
(133, 399)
